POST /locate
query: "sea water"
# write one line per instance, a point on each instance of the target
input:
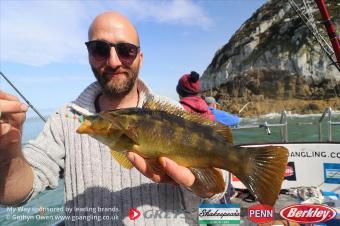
(47, 207)
(301, 128)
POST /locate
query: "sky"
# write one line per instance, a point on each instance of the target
(42, 47)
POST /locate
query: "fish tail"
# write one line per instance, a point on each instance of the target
(261, 170)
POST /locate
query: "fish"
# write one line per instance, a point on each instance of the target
(163, 130)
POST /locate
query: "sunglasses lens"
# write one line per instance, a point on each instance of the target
(98, 50)
(127, 53)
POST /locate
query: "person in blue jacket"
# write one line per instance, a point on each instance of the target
(222, 116)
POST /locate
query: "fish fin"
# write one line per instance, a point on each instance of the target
(131, 133)
(153, 104)
(121, 159)
(124, 143)
(207, 180)
(263, 173)
(225, 131)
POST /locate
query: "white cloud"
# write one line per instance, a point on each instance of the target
(41, 32)
(183, 12)
(38, 33)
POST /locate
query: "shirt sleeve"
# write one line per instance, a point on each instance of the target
(226, 118)
(46, 155)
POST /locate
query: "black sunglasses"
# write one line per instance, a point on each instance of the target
(100, 50)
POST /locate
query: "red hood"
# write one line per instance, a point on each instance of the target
(198, 105)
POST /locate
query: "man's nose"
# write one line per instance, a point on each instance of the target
(113, 59)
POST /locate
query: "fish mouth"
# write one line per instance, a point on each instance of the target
(85, 127)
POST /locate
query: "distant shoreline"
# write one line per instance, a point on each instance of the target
(289, 114)
(258, 106)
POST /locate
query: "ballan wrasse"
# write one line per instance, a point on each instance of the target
(162, 130)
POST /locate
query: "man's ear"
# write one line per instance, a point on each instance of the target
(141, 58)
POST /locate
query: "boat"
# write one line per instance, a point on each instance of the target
(312, 173)
(310, 164)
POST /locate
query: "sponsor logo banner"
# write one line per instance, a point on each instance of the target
(134, 214)
(308, 213)
(260, 213)
(228, 214)
(314, 154)
(331, 173)
(290, 173)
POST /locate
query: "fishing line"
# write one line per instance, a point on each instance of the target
(23, 97)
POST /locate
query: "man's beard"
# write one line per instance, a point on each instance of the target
(112, 88)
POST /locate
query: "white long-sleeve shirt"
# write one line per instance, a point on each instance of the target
(98, 191)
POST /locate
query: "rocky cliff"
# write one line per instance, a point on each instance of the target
(273, 63)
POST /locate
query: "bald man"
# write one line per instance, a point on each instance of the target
(97, 189)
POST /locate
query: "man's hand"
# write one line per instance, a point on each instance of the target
(13, 114)
(169, 172)
(16, 176)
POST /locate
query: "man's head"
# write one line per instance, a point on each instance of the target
(211, 102)
(114, 53)
(189, 85)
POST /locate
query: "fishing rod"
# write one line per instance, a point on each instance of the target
(333, 37)
(23, 97)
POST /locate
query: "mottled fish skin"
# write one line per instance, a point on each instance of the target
(191, 142)
(188, 143)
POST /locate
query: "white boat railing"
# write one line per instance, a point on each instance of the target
(283, 127)
(328, 112)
